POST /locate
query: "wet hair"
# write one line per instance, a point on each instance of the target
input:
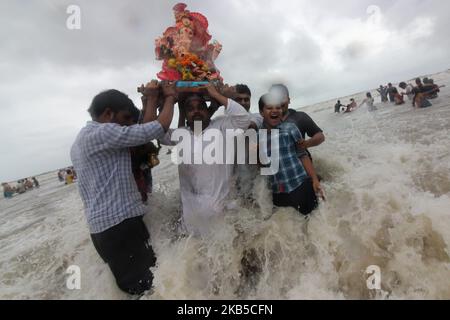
(281, 87)
(113, 99)
(369, 95)
(243, 89)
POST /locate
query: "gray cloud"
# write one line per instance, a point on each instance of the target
(321, 49)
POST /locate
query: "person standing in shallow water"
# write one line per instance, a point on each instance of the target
(113, 206)
(206, 187)
(337, 107)
(392, 91)
(352, 106)
(383, 93)
(36, 182)
(295, 184)
(369, 102)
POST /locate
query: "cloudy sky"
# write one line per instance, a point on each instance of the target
(322, 49)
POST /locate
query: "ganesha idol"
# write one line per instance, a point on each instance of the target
(186, 50)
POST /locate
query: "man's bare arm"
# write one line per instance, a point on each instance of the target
(315, 141)
(170, 98)
(226, 92)
(150, 96)
(309, 168)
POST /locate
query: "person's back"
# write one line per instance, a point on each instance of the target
(104, 174)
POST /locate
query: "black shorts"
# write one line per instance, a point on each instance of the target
(127, 250)
(303, 198)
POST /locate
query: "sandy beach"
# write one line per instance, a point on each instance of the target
(387, 180)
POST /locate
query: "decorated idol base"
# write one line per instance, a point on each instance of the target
(191, 86)
(184, 88)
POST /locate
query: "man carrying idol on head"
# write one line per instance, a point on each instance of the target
(189, 60)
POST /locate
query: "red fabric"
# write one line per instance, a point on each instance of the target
(168, 74)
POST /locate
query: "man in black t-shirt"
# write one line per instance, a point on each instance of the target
(337, 107)
(304, 123)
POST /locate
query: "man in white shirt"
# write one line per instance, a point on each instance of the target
(408, 90)
(205, 185)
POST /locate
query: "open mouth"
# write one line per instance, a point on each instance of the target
(275, 116)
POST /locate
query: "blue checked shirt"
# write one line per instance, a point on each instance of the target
(291, 173)
(101, 159)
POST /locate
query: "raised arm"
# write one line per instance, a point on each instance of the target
(150, 101)
(170, 98)
(221, 99)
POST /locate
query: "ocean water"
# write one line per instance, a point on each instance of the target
(387, 181)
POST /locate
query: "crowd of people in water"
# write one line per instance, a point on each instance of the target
(419, 94)
(67, 175)
(21, 187)
(113, 157)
